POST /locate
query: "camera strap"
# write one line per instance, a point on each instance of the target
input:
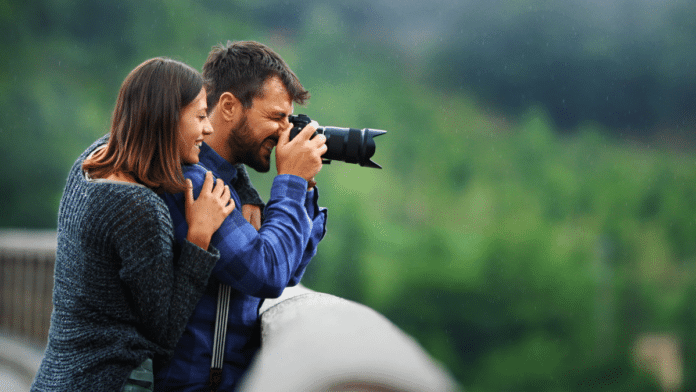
(218, 355)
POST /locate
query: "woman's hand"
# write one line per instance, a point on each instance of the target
(205, 214)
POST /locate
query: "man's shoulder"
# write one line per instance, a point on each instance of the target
(196, 173)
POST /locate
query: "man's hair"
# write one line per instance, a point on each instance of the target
(242, 67)
(144, 138)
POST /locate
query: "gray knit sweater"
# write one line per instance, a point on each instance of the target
(124, 289)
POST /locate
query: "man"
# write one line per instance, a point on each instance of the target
(250, 96)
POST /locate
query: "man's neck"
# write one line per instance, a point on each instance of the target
(218, 139)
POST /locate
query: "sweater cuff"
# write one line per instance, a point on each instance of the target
(289, 186)
(202, 261)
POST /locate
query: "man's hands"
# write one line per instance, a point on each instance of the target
(300, 156)
(205, 214)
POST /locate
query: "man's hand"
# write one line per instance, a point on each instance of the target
(252, 213)
(300, 156)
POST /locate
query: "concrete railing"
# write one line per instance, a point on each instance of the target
(314, 341)
(310, 341)
(19, 362)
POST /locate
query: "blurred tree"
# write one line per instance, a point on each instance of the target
(625, 72)
(523, 258)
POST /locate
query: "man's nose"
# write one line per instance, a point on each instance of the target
(285, 125)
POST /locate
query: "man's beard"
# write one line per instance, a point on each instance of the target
(246, 150)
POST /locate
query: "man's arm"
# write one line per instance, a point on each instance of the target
(258, 263)
(318, 215)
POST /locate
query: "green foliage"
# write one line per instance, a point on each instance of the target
(524, 260)
(624, 64)
(519, 258)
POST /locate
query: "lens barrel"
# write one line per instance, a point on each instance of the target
(349, 145)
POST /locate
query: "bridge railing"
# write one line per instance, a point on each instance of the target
(26, 282)
(313, 341)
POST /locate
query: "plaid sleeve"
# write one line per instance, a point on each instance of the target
(257, 263)
(318, 215)
(261, 263)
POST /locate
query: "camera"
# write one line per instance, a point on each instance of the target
(343, 144)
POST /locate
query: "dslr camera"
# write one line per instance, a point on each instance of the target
(343, 144)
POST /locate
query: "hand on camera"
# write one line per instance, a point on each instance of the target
(300, 156)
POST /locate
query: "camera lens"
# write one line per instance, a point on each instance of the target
(349, 145)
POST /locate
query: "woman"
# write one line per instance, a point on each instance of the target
(123, 288)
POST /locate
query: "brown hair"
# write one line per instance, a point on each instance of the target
(144, 139)
(242, 67)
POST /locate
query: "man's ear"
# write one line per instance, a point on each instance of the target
(229, 107)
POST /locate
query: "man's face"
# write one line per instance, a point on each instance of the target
(257, 134)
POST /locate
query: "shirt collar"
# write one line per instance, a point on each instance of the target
(211, 160)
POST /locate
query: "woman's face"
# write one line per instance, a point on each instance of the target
(193, 126)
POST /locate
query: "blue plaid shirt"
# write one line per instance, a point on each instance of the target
(256, 264)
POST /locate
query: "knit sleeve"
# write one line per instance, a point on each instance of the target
(164, 283)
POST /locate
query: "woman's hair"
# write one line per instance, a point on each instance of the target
(144, 139)
(242, 67)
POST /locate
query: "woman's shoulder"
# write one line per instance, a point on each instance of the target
(131, 209)
(102, 141)
(105, 206)
(76, 169)
(129, 197)
(105, 189)
(107, 197)
(114, 211)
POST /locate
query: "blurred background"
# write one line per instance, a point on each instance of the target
(533, 226)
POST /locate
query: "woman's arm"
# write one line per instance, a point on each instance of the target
(164, 281)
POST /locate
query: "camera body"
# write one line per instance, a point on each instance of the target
(349, 145)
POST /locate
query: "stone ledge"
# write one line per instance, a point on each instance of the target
(20, 357)
(317, 342)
